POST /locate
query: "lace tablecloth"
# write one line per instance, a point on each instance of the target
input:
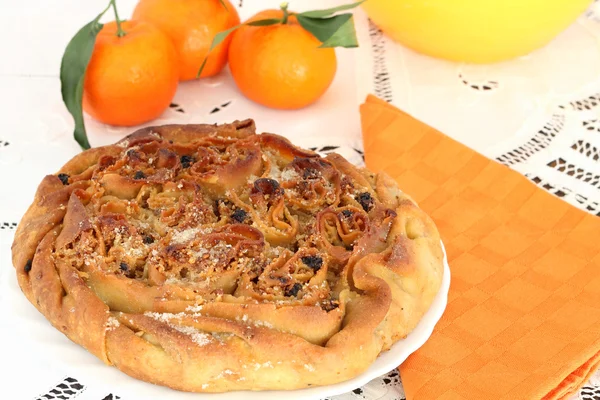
(539, 114)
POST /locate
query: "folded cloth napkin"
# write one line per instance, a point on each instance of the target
(523, 314)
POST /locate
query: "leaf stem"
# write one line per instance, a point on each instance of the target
(101, 14)
(284, 8)
(120, 31)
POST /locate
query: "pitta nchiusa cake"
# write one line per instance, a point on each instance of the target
(208, 258)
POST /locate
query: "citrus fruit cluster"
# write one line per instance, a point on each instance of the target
(126, 73)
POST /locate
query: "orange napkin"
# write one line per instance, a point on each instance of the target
(523, 315)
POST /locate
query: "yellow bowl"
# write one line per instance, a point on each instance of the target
(477, 31)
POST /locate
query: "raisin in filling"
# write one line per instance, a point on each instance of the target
(314, 262)
(186, 161)
(239, 215)
(64, 178)
(139, 175)
(366, 201)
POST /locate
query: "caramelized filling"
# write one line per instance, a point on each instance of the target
(254, 218)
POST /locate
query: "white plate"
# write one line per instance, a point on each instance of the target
(52, 345)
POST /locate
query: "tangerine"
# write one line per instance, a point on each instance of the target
(192, 25)
(280, 66)
(130, 79)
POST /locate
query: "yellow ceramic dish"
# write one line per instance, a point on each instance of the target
(478, 31)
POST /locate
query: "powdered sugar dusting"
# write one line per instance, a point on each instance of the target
(184, 236)
(223, 373)
(275, 172)
(198, 337)
(258, 366)
(289, 174)
(244, 318)
(194, 308)
(262, 323)
(162, 317)
(252, 178)
(112, 323)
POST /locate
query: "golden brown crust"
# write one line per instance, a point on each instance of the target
(208, 258)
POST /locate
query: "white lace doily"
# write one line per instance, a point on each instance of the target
(539, 114)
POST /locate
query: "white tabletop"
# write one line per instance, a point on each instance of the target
(539, 114)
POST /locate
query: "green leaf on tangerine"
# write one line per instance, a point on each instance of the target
(337, 31)
(265, 22)
(217, 40)
(330, 11)
(72, 73)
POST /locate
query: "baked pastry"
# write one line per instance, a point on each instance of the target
(209, 258)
